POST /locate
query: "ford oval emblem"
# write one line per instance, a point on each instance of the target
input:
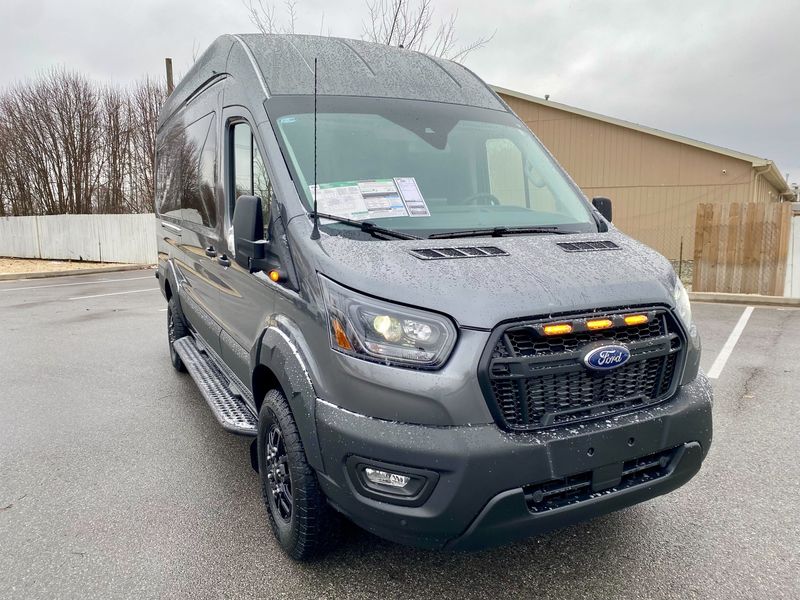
(604, 358)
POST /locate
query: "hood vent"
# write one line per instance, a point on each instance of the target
(464, 252)
(587, 246)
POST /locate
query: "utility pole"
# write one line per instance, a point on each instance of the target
(170, 84)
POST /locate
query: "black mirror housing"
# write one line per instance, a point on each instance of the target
(603, 206)
(248, 232)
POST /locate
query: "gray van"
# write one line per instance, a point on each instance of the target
(375, 269)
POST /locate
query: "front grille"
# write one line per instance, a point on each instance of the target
(533, 381)
(557, 493)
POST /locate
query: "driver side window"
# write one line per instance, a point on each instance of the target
(249, 173)
(506, 175)
(510, 183)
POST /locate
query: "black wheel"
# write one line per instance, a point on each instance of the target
(176, 329)
(300, 517)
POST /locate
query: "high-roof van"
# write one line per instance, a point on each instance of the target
(375, 270)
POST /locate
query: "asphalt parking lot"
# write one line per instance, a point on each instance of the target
(116, 481)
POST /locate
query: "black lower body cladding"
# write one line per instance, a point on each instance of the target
(493, 487)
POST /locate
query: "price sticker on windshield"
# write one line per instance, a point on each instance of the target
(412, 197)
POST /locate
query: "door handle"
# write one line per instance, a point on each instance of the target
(210, 252)
(224, 261)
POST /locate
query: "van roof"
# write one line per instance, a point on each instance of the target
(284, 64)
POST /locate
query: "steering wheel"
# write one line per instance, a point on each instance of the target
(481, 199)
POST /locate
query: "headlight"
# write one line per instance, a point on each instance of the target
(379, 331)
(682, 305)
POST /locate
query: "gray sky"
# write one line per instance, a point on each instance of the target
(721, 71)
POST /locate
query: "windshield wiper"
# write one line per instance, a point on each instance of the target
(499, 232)
(369, 227)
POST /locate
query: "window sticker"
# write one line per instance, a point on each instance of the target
(371, 198)
(343, 199)
(412, 197)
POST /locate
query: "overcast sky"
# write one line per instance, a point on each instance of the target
(721, 71)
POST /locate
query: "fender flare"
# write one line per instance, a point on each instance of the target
(171, 276)
(280, 349)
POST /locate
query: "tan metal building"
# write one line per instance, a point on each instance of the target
(655, 179)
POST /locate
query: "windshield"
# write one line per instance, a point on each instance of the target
(424, 168)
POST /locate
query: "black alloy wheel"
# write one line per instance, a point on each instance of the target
(278, 474)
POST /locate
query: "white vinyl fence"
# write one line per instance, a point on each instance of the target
(792, 287)
(101, 238)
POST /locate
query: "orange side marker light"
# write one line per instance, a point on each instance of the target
(340, 335)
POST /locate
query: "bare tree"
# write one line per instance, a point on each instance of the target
(262, 16)
(146, 100)
(54, 132)
(68, 145)
(112, 196)
(410, 24)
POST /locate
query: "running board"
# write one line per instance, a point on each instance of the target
(228, 406)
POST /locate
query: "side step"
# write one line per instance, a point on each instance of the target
(229, 408)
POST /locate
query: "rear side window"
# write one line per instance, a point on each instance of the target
(168, 198)
(249, 172)
(199, 173)
(187, 163)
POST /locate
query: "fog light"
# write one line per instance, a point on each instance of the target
(386, 482)
(385, 478)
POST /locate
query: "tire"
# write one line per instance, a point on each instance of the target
(176, 329)
(299, 515)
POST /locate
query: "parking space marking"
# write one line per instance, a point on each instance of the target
(727, 349)
(113, 294)
(52, 285)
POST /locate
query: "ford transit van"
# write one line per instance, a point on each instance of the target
(374, 269)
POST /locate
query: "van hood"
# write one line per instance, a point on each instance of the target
(535, 277)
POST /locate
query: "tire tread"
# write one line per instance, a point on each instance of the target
(315, 527)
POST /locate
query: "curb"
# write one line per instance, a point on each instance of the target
(46, 274)
(750, 299)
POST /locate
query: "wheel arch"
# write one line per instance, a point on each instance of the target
(280, 362)
(170, 286)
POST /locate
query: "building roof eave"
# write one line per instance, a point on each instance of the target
(772, 174)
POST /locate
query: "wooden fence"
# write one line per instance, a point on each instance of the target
(741, 248)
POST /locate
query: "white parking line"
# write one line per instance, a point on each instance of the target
(52, 285)
(113, 294)
(727, 349)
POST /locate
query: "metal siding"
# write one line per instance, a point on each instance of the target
(656, 184)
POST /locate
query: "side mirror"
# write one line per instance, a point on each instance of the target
(603, 206)
(248, 232)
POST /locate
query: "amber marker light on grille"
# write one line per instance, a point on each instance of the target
(595, 324)
(275, 276)
(557, 329)
(636, 319)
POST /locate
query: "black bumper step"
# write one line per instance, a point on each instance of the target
(228, 407)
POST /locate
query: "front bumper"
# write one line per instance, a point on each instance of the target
(483, 473)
